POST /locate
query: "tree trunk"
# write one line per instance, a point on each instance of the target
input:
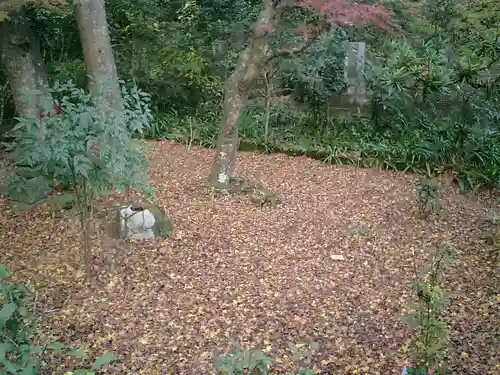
(98, 54)
(238, 86)
(22, 61)
(268, 81)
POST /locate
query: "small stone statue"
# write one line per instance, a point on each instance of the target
(137, 223)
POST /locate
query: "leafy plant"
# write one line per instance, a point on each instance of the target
(429, 197)
(81, 149)
(21, 351)
(241, 361)
(302, 357)
(429, 330)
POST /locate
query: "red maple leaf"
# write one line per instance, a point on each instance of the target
(347, 13)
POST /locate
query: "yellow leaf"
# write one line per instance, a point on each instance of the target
(204, 355)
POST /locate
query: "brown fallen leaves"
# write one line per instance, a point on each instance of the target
(264, 275)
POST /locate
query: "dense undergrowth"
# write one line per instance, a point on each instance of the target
(433, 82)
(471, 157)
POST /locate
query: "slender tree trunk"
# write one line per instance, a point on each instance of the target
(238, 86)
(98, 54)
(22, 61)
(269, 91)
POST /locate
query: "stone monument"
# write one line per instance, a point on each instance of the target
(354, 69)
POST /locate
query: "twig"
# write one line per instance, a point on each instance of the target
(35, 302)
(191, 136)
(12, 341)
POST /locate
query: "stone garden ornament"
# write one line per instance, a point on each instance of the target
(137, 223)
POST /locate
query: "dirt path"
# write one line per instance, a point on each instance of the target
(266, 275)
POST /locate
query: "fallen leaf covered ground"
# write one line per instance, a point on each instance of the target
(332, 263)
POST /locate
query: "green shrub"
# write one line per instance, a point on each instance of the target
(425, 320)
(80, 148)
(83, 150)
(241, 361)
(429, 197)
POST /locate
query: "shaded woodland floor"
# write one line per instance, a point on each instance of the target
(265, 275)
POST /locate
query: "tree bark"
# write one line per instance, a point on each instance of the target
(22, 61)
(248, 68)
(98, 54)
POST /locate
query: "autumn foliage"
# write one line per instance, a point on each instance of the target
(342, 13)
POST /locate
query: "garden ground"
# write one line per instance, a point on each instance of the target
(264, 275)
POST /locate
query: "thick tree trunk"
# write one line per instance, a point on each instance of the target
(248, 69)
(98, 54)
(20, 56)
(227, 140)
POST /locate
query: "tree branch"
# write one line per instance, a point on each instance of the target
(290, 52)
(281, 4)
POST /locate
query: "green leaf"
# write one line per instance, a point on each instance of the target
(7, 310)
(24, 351)
(293, 347)
(83, 372)
(103, 360)
(24, 312)
(30, 370)
(295, 351)
(314, 346)
(36, 349)
(85, 119)
(78, 353)
(56, 346)
(11, 367)
(5, 347)
(4, 274)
